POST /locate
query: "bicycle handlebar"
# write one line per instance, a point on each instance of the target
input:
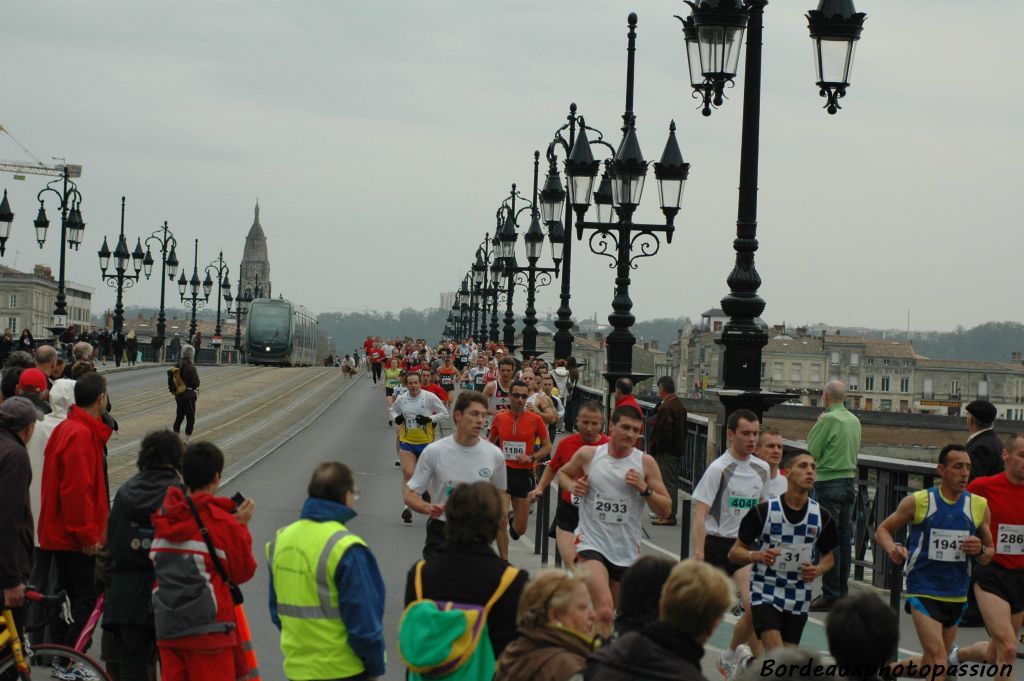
(38, 597)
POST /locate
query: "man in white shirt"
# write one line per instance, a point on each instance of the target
(460, 457)
(733, 484)
(769, 450)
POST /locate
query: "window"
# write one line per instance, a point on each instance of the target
(796, 371)
(12, 324)
(869, 383)
(835, 358)
(954, 387)
(885, 362)
(763, 364)
(885, 384)
(815, 373)
(886, 405)
(13, 300)
(929, 388)
(776, 371)
(854, 358)
(905, 385)
(853, 382)
(869, 361)
(982, 388)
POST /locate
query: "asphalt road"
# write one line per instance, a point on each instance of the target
(353, 430)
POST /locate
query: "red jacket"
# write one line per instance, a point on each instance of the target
(192, 605)
(441, 393)
(74, 504)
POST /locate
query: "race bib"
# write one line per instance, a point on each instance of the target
(575, 500)
(792, 556)
(610, 509)
(410, 422)
(1010, 540)
(513, 450)
(739, 504)
(947, 545)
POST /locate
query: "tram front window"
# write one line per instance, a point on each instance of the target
(270, 325)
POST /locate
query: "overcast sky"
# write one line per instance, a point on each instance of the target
(381, 136)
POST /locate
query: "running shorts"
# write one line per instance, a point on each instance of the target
(615, 572)
(415, 449)
(946, 613)
(1006, 584)
(519, 482)
(716, 552)
(567, 516)
(767, 617)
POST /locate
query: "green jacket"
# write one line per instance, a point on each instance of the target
(834, 442)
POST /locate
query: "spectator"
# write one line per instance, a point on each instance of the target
(117, 347)
(693, 601)
(983, 444)
(834, 442)
(17, 423)
(131, 347)
(863, 655)
(668, 441)
(193, 601)
(466, 569)
(9, 382)
(640, 593)
(6, 345)
(19, 358)
(106, 342)
(26, 343)
(32, 386)
(555, 621)
(62, 396)
(46, 361)
(185, 402)
(175, 348)
(128, 609)
(81, 355)
(318, 555)
(74, 501)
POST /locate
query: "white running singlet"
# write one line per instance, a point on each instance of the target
(610, 510)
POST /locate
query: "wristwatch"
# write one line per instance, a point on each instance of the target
(647, 491)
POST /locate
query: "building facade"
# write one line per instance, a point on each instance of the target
(27, 300)
(255, 266)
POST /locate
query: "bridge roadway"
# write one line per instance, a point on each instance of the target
(271, 456)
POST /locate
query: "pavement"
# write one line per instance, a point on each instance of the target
(345, 420)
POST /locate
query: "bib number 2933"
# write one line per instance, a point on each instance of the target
(611, 509)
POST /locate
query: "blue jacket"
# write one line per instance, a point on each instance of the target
(360, 590)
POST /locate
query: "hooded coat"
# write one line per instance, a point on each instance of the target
(544, 654)
(15, 512)
(659, 652)
(62, 396)
(129, 539)
(192, 604)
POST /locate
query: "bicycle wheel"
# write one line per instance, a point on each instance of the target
(52, 661)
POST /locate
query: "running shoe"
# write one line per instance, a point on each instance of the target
(744, 657)
(407, 516)
(727, 664)
(76, 672)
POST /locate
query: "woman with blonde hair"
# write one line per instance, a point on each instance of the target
(555, 622)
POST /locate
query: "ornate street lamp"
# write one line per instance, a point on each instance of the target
(195, 300)
(6, 218)
(618, 237)
(166, 242)
(219, 268)
(121, 279)
(834, 27)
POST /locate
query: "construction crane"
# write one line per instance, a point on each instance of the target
(20, 169)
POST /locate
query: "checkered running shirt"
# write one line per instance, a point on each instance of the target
(783, 588)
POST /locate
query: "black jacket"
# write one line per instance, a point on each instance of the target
(189, 374)
(986, 451)
(16, 534)
(129, 535)
(668, 436)
(469, 573)
(659, 652)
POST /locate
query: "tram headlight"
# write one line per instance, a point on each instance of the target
(268, 348)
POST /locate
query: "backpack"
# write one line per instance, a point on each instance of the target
(443, 639)
(174, 382)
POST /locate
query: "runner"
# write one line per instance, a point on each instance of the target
(732, 485)
(461, 457)
(376, 357)
(947, 524)
(999, 586)
(547, 386)
(778, 537)
(415, 413)
(515, 431)
(462, 362)
(611, 480)
(447, 374)
(427, 381)
(769, 450)
(392, 374)
(476, 376)
(567, 511)
(497, 392)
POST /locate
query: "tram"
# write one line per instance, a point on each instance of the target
(281, 333)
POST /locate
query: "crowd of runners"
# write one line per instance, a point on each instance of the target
(756, 516)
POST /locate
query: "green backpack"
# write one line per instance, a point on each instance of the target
(443, 639)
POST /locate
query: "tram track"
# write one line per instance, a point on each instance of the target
(161, 395)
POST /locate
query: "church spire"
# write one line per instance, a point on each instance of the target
(257, 220)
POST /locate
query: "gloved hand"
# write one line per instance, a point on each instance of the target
(400, 419)
(422, 420)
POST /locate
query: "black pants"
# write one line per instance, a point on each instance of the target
(376, 368)
(436, 538)
(138, 652)
(76, 575)
(186, 411)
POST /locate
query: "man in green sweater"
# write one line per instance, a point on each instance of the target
(834, 442)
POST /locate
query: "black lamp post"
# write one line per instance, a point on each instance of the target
(480, 271)
(168, 268)
(121, 279)
(535, 276)
(486, 275)
(713, 34)
(71, 229)
(553, 199)
(219, 268)
(195, 300)
(464, 317)
(6, 218)
(618, 237)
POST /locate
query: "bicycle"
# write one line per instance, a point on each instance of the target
(44, 660)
